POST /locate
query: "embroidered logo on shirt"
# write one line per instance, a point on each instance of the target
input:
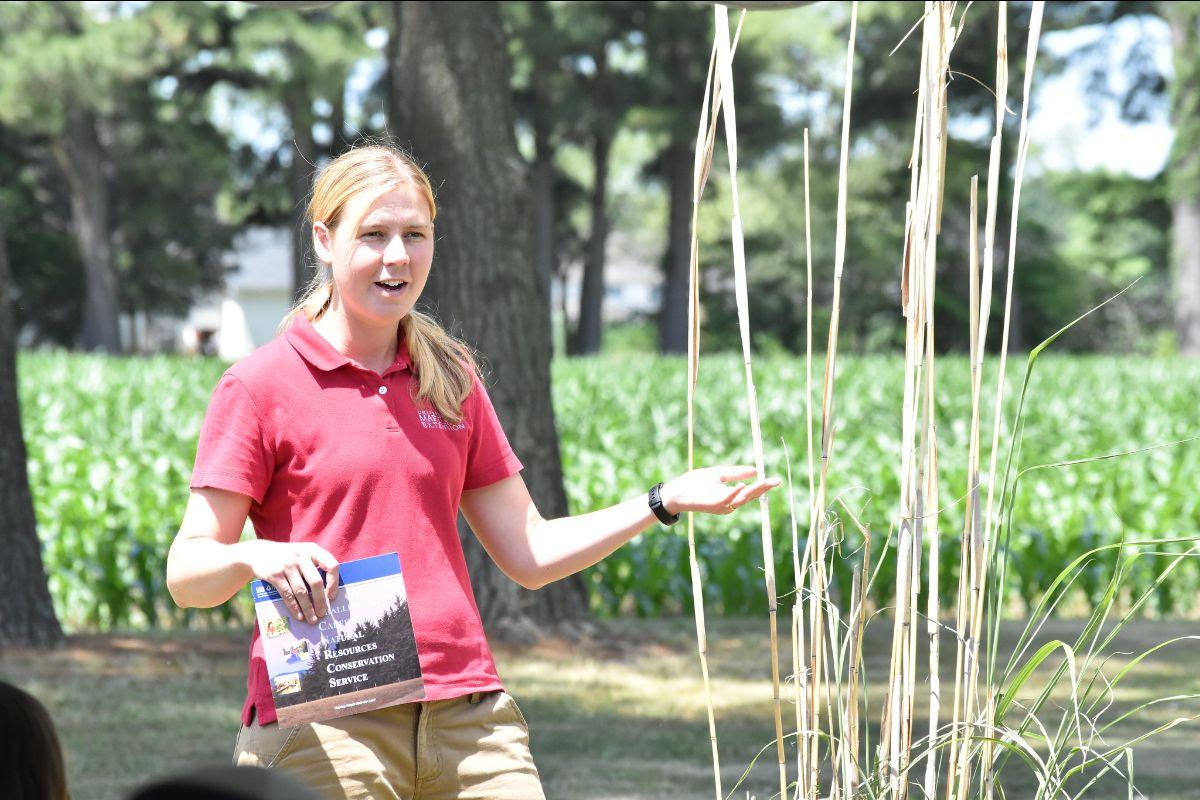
(432, 419)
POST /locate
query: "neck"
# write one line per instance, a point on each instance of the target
(373, 347)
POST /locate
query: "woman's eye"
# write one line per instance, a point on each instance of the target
(415, 235)
(373, 235)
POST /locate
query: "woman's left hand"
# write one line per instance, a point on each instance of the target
(710, 490)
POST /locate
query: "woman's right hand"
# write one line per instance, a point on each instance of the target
(291, 567)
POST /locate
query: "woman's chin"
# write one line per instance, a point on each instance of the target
(377, 315)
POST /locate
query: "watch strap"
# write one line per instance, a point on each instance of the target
(660, 511)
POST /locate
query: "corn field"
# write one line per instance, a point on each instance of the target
(111, 442)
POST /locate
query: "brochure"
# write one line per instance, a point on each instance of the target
(361, 655)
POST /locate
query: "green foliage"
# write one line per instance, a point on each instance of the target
(62, 56)
(1081, 233)
(621, 433)
(111, 443)
(138, 80)
(1184, 176)
(1107, 231)
(113, 74)
(38, 234)
(169, 84)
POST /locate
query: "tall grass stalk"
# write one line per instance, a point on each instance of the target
(699, 178)
(990, 523)
(729, 113)
(706, 134)
(805, 735)
(972, 548)
(989, 720)
(918, 470)
(815, 573)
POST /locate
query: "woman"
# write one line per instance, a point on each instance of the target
(363, 429)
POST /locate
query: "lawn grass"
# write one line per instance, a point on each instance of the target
(621, 716)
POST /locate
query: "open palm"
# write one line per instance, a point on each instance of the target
(715, 490)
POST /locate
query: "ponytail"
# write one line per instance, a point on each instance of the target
(313, 303)
(445, 366)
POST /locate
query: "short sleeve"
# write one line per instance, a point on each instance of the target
(234, 452)
(490, 458)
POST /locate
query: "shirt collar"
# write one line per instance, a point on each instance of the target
(316, 350)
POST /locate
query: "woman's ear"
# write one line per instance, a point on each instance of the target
(322, 242)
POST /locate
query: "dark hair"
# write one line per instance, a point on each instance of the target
(227, 783)
(31, 760)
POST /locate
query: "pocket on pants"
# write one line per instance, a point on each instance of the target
(509, 702)
(263, 745)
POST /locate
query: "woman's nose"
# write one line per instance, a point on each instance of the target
(395, 252)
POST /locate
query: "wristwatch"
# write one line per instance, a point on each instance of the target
(660, 511)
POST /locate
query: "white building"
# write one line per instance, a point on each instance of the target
(632, 282)
(231, 323)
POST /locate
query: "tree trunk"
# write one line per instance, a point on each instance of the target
(1184, 172)
(27, 613)
(298, 103)
(337, 122)
(591, 297)
(483, 286)
(545, 252)
(80, 155)
(543, 173)
(673, 313)
(394, 79)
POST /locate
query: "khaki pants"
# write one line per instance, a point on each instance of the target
(474, 747)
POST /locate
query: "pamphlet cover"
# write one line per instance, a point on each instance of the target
(361, 655)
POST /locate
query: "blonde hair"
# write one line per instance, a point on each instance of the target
(443, 365)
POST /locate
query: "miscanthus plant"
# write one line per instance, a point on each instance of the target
(986, 716)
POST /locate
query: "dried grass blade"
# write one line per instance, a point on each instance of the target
(729, 111)
(702, 163)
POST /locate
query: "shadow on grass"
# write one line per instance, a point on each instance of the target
(621, 717)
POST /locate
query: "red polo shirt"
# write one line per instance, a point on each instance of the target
(333, 453)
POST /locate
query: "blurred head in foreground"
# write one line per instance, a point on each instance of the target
(227, 783)
(31, 760)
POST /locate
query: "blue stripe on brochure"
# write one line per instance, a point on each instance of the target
(357, 571)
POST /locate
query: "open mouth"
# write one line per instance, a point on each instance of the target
(392, 287)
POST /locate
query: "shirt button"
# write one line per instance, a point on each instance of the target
(383, 390)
